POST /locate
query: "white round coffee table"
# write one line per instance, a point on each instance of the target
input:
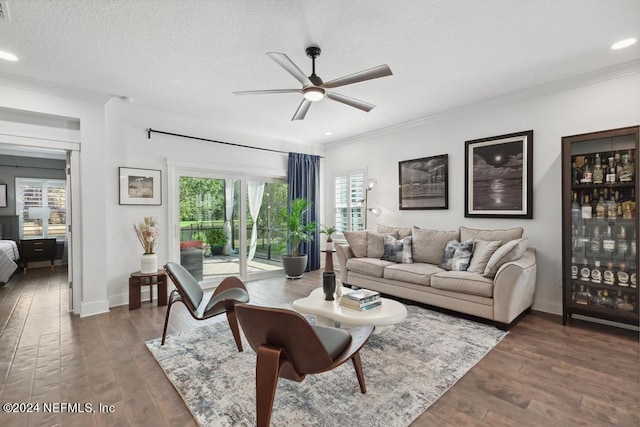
(331, 313)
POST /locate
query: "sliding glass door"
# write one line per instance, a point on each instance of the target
(227, 225)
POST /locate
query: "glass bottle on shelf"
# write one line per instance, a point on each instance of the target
(598, 172)
(596, 273)
(621, 241)
(607, 301)
(586, 208)
(610, 176)
(622, 276)
(583, 296)
(575, 209)
(625, 304)
(626, 174)
(587, 173)
(608, 244)
(600, 208)
(585, 272)
(618, 166)
(608, 275)
(598, 299)
(574, 268)
(627, 212)
(612, 209)
(596, 243)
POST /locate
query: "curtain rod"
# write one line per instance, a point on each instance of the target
(149, 131)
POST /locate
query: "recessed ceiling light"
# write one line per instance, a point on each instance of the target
(328, 133)
(623, 43)
(8, 56)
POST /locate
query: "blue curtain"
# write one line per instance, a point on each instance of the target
(303, 177)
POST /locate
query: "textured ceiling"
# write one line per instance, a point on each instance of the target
(188, 56)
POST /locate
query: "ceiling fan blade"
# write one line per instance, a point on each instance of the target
(370, 74)
(286, 63)
(302, 110)
(266, 92)
(352, 102)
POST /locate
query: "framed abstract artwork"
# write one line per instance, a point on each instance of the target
(140, 186)
(499, 176)
(3, 195)
(423, 183)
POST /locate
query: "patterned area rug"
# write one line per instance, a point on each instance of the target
(406, 369)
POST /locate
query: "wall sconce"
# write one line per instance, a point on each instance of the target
(375, 211)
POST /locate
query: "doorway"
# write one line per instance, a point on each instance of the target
(226, 224)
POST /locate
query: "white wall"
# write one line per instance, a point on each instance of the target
(128, 146)
(597, 106)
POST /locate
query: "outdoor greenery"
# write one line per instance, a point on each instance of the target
(202, 210)
(216, 237)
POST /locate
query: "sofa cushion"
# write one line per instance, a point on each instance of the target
(375, 244)
(402, 231)
(503, 235)
(463, 282)
(428, 245)
(482, 251)
(369, 266)
(457, 255)
(418, 273)
(510, 251)
(357, 242)
(397, 250)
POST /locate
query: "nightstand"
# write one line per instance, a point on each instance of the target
(37, 250)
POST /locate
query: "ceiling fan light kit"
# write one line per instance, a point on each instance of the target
(314, 89)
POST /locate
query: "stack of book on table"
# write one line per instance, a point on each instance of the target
(361, 299)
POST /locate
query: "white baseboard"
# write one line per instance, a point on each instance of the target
(92, 308)
(123, 299)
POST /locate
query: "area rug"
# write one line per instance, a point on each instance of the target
(406, 368)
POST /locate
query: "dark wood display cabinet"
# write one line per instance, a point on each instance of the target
(600, 225)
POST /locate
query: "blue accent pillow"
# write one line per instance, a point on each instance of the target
(457, 255)
(397, 250)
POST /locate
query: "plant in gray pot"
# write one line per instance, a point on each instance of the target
(217, 239)
(296, 232)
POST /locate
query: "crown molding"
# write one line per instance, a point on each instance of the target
(570, 83)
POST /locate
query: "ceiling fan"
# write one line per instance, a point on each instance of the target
(314, 89)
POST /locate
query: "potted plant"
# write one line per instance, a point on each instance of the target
(217, 239)
(329, 232)
(296, 232)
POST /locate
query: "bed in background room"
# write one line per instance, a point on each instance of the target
(9, 253)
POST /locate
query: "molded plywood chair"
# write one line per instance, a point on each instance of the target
(288, 346)
(229, 293)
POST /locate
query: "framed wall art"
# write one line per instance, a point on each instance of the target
(3, 195)
(140, 186)
(423, 183)
(499, 176)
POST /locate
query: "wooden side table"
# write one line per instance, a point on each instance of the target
(328, 260)
(137, 280)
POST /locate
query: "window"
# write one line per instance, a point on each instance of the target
(349, 193)
(41, 205)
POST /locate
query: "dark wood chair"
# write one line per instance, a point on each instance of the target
(230, 292)
(287, 346)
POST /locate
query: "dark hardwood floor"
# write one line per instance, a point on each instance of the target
(541, 374)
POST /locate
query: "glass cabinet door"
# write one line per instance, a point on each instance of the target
(600, 225)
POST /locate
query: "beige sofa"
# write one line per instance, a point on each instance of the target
(498, 284)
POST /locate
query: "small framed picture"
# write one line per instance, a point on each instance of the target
(499, 176)
(3, 195)
(423, 183)
(140, 186)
